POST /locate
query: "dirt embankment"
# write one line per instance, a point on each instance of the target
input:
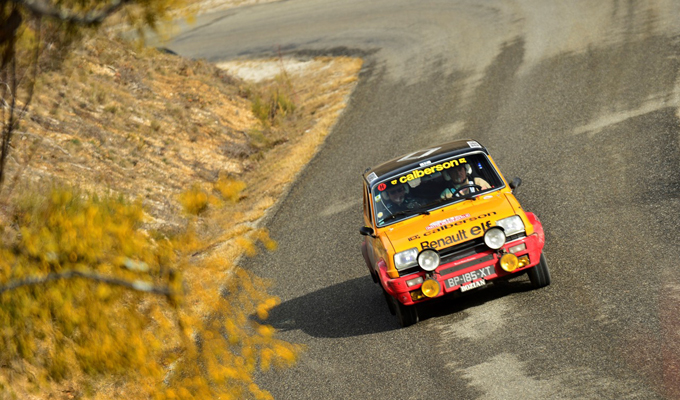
(151, 125)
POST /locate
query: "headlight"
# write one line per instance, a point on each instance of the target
(511, 225)
(406, 258)
(428, 260)
(494, 238)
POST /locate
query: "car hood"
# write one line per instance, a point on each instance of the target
(450, 225)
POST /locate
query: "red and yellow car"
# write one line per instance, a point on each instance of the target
(443, 220)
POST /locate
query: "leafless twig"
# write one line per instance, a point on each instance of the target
(136, 285)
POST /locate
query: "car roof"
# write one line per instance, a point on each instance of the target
(414, 159)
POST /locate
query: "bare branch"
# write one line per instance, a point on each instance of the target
(34, 70)
(12, 120)
(137, 285)
(42, 8)
(8, 127)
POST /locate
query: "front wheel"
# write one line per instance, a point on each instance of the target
(406, 315)
(390, 302)
(539, 275)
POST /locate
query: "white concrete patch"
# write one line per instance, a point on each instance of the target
(650, 105)
(603, 122)
(482, 322)
(506, 376)
(337, 208)
(551, 28)
(261, 70)
(502, 378)
(208, 6)
(449, 132)
(673, 290)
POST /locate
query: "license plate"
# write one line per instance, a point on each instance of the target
(469, 277)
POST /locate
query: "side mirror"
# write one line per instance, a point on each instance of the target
(515, 183)
(366, 231)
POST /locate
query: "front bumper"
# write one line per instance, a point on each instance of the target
(449, 273)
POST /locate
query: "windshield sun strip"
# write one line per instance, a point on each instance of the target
(388, 178)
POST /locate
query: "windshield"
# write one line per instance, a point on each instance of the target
(432, 186)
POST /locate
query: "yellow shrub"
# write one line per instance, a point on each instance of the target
(230, 189)
(104, 320)
(76, 320)
(262, 235)
(194, 200)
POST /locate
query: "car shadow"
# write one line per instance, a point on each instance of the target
(351, 308)
(456, 303)
(356, 307)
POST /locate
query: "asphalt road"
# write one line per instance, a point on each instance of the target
(580, 99)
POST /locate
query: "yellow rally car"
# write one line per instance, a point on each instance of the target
(443, 220)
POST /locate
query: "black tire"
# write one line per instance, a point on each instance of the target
(374, 276)
(390, 302)
(540, 274)
(406, 315)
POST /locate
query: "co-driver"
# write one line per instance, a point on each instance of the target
(398, 199)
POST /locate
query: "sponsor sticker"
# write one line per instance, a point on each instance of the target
(473, 144)
(472, 285)
(431, 169)
(382, 187)
(442, 222)
(459, 236)
(371, 177)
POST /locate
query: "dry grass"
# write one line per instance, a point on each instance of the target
(151, 125)
(321, 95)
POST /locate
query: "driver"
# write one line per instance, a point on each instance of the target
(398, 199)
(461, 184)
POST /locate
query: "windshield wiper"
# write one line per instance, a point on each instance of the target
(435, 203)
(405, 212)
(469, 196)
(424, 210)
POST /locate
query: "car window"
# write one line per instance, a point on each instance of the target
(432, 185)
(367, 207)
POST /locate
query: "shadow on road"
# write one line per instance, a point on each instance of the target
(351, 308)
(356, 307)
(454, 305)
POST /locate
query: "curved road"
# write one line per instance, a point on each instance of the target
(578, 98)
